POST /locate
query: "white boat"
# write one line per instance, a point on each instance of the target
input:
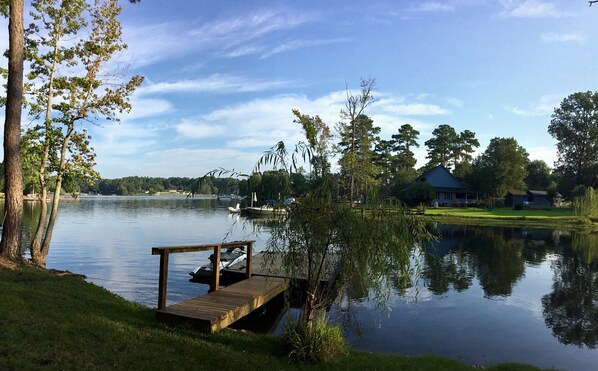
(263, 210)
(230, 257)
(235, 210)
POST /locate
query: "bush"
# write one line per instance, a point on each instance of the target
(315, 343)
(518, 207)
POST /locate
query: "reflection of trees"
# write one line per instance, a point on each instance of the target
(494, 255)
(571, 309)
(453, 269)
(498, 262)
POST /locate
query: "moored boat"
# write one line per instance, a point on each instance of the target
(230, 257)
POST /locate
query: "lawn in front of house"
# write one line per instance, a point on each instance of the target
(503, 212)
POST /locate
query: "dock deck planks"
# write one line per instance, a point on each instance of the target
(220, 308)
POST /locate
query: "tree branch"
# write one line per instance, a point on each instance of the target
(592, 2)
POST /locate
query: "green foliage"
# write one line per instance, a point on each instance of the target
(69, 47)
(501, 168)
(447, 148)
(316, 343)
(586, 204)
(357, 140)
(420, 193)
(538, 175)
(574, 125)
(440, 146)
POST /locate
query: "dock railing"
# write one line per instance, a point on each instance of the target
(164, 251)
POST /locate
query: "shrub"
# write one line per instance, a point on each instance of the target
(314, 342)
(518, 207)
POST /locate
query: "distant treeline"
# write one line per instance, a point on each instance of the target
(135, 185)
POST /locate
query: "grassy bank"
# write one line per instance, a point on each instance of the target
(54, 322)
(558, 217)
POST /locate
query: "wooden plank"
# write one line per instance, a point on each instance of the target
(219, 309)
(191, 248)
(163, 280)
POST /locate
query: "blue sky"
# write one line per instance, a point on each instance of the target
(223, 76)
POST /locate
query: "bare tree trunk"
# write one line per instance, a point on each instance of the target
(49, 228)
(10, 246)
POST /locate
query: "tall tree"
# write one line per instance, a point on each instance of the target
(441, 146)
(349, 130)
(10, 244)
(403, 142)
(318, 136)
(574, 125)
(357, 155)
(501, 168)
(464, 147)
(538, 175)
(85, 94)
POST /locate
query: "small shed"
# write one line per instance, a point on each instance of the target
(516, 198)
(539, 198)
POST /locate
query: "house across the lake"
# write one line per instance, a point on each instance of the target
(532, 198)
(449, 191)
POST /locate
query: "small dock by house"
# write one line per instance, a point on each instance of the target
(260, 279)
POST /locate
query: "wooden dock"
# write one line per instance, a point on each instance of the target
(221, 307)
(270, 264)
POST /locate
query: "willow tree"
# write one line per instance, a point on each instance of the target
(70, 46)
(316, 234)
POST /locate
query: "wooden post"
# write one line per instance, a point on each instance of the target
(163, 280)
(249, 256)
(216, 268)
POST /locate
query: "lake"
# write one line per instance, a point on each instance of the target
(479, 294)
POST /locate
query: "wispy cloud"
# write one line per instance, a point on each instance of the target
(225, 37)
(530, 9)
(434, 7)
(300, 44)
(417, 109)
(564, 37)
(545, 106)
(215, 83)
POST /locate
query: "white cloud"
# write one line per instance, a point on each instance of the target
(299, 44)
(215, 83)
(417, 109)
(225, 37)
(564, 37)
(530, 9)
(455, 102)
(544, 107)
(434, 7)
(190, 129)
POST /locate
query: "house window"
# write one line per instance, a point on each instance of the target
(448, 196)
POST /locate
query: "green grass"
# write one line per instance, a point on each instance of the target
(52, 322)
(506, 216)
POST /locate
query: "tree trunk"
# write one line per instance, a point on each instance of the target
(49, 228)
(10, 246)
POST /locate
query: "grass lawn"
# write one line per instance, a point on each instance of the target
(504, 213)
(54, 322)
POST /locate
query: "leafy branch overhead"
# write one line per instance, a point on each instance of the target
(70, 84)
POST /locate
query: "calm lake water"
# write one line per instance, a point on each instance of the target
(482, 295)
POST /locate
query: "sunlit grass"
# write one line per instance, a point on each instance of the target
(503, 212)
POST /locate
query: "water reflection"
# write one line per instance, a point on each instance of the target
(498, 257)
(571, 309)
